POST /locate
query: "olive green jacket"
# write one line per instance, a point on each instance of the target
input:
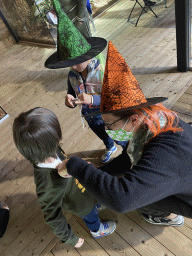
(57, 195)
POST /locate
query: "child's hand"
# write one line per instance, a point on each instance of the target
(62, 169)
(69, 100)
(79, 243)
(84, 99)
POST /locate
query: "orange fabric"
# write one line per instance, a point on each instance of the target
(120, 88)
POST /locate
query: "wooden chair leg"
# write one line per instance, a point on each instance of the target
(151, 10)
(139, 18)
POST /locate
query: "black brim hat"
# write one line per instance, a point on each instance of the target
(97, 46)
(150, 102)
(121, 91)
(72, 47)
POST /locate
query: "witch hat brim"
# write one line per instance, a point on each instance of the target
(150, 101)
(98, 44)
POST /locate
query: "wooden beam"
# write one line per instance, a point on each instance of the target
(183, 33)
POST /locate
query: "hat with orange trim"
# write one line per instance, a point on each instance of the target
(120, 90)
(72, 47)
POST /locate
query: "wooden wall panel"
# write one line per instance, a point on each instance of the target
(6, 39)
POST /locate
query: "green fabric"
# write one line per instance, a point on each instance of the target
(136, 144)
(119, 135)
(141, 138)
(70, 42)
(57, 195)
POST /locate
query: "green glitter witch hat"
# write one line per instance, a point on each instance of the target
(72, 47)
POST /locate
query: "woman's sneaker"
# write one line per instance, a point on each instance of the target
(106, 228)
(178, 221)
(107, 155)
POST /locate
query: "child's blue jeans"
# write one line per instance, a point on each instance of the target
(92, 220)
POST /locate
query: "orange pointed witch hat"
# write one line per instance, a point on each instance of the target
(121, 90)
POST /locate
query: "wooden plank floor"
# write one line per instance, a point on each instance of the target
(150, 51)
(183, 106)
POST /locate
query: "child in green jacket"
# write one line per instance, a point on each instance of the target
(37, 134)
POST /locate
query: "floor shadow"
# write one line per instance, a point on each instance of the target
(51, 80)
(128, 225)
(11, 170)
(154, 70)
(147, 18)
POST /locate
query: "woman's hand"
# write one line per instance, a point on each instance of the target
(79, 243)
(84, 99)
(62, 169)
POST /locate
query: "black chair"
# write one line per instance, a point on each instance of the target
(144, 9)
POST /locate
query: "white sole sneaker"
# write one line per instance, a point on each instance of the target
(106, 228)
(176, 222)
(108, 153)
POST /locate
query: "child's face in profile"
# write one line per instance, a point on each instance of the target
(82, 66)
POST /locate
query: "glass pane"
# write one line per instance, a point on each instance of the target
(28, 20)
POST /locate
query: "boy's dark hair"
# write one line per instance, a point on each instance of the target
(36, 134)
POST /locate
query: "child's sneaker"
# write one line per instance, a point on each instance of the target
(106, 228)
(107, 155)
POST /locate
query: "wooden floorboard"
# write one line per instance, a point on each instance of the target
(150, 51)
(183, 105)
